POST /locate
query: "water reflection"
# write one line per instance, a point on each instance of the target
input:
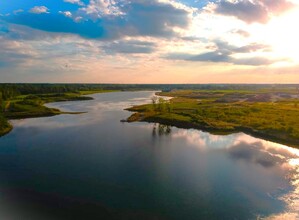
(255, 153)
(143, 170)
(279, 159)
(160, 129)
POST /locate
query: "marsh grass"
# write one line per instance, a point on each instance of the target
(274, 120)
(30, 106)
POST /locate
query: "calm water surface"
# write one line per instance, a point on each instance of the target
(92, 166)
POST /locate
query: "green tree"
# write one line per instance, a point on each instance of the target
(161, 104)
(154, 101)
(168, 107)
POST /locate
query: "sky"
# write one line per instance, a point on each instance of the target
(149, 41)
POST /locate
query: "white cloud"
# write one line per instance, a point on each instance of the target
(66, 13)
(18, 11)
(97, 8)
(78, 2)
(259, 11)
(167, 27)
(78, 19)
(39, 10)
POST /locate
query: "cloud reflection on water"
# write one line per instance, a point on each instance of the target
(240, 147)
(237, 162)
(244, 148)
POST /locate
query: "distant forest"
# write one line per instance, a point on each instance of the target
(10, 90)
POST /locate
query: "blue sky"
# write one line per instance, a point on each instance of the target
(8, 6)
(153, 41)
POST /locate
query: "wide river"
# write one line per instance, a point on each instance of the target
(92, 166)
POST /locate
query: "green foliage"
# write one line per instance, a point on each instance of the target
(277, 120)
(5, 127)
(161, 104)
(18, 101)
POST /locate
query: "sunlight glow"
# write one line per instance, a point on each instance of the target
(282, 34)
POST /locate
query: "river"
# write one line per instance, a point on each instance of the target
(92, 166)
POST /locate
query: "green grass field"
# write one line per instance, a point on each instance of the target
(273, 116)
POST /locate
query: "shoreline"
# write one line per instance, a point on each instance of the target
(139, 117)
(6, 130)
(47, 111)
(187, 110)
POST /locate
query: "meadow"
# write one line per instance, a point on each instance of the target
(265, 113)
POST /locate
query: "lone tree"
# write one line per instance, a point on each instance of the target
(154, 101)
(161, 104)
(168, 107)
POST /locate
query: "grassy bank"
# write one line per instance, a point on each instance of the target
(268, 115)
(5, 126)
(31, 106)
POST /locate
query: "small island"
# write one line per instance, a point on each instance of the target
(265, 113)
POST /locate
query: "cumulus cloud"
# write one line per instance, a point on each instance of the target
(277, 7)
(66, 13)
(109, 19)
(138, 18)
(223, 52)
(100, 8)
(39, 10)
(252, 11)
(135, 31)
(155, 18)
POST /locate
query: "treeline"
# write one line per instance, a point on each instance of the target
(10, 90)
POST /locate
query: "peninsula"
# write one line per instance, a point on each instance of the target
(265, 113)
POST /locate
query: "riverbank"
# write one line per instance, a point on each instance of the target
(5, 126)
(274, 121)
(33, 106)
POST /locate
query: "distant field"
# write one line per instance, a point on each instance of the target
(266, 113)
